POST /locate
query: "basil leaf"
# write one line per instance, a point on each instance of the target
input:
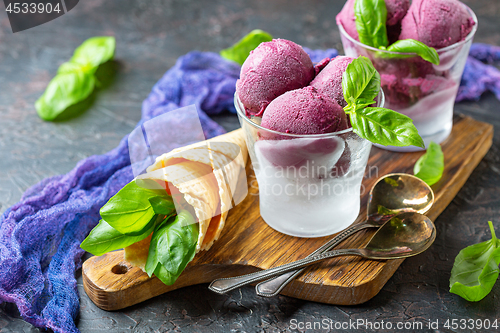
(104, 238)
(161, 205)
(475, 270)
(65, 89)
(413, 46)
(130, 210)
(239, 52)
(94, 52)
(385, 127)
(360, 82)
(430, 166)
(371, 17)
(165, 276)
(173, 246)
(75, 80)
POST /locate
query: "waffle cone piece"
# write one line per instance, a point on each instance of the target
(209, 177)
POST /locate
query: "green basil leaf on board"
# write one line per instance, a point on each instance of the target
(475, 270)
(130, 210)
(240, 51)
(360, 82)
(413, 46)
(75, 80)
(104, 238)
(430, 166)
(173, 246)
(64, 90)
(371, 17)
(94, 52)
(385, 127)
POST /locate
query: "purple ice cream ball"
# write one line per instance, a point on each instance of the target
(270, 70)
(329, 80)
(304, 111)
(396, 10)
(347, 19)
(436, 23)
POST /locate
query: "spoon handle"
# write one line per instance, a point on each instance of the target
(274, 285)
(224, 285)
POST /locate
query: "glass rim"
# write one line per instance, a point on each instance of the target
(443, 49)
(380, 100)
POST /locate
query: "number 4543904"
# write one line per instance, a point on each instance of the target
(32, 8)
(471, 324)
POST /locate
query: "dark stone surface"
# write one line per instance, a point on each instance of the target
(151, 34)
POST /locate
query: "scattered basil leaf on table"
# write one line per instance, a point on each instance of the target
(75, 80)
(371, 17)
(240, 51)
(94, 52)
(475, 270)
(131, 209)
(430, 166)
(65, 89)
(360, 85)
(172, 247)
(104, 238)
(413, 46)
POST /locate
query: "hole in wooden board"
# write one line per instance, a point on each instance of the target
(119, 269)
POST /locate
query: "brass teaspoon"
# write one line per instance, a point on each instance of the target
(404, 235)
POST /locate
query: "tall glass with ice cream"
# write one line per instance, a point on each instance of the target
(307, 146)
(414, 86)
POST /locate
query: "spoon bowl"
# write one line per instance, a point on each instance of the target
(404, 235)
(400, 192)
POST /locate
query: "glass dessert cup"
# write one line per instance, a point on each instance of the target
(414, 87)
(309, 185)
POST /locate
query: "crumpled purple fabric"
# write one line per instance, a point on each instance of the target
(479, 74)
(40, 236)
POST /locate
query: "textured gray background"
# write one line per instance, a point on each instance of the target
(151, 35)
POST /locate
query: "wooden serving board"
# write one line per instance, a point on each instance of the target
(247, 244)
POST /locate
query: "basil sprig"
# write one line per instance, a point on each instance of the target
(133, 207)
(360, 85)
(241, 50)
(104, 238)
(430, 166)
(139, 209)
(412, 46)
(475, 270)
(172, 247)
(371, 17)
(75, 80)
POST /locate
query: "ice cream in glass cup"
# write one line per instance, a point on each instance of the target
(412, 86)
(310, 184)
